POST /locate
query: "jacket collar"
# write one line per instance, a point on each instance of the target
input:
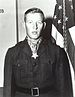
(27, 50)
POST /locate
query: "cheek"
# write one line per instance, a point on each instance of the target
(40, 27)
(28, 28)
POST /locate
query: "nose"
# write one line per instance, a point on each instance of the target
(35, 26)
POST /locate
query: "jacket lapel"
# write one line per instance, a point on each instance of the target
(45, 48)
(42, 47)
(26, 48)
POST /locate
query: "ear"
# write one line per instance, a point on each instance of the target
(24, 24)
(44, 24)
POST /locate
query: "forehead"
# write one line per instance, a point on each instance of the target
(34, 16)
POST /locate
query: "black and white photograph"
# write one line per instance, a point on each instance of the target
(37, 48)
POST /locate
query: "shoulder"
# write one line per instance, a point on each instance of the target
(59, 54)
(54, 48)
(13, 51)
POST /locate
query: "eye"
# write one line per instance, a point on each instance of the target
(30, 22)
(39, 22)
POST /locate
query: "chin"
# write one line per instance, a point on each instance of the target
(34, 37)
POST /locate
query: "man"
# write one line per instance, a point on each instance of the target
(35, 67)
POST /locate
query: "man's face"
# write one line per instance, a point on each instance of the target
(34, 25)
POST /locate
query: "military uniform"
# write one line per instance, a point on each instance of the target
(46, 76)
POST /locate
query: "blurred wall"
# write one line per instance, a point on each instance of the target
(7, 31)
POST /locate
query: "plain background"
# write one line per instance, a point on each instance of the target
(7, 31)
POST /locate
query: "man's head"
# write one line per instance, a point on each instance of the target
(34, 22)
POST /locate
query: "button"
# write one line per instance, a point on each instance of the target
(18, 65)
(34, 64)
(35, 83)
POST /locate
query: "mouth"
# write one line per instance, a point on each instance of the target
(34, 32)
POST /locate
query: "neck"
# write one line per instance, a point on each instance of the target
(34, 40)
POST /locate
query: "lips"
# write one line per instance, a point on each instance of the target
(34, 32)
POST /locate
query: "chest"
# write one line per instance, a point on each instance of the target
(26, 67)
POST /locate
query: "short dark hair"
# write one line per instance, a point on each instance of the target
(34, 10)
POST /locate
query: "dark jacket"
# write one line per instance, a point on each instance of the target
(50, 71)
